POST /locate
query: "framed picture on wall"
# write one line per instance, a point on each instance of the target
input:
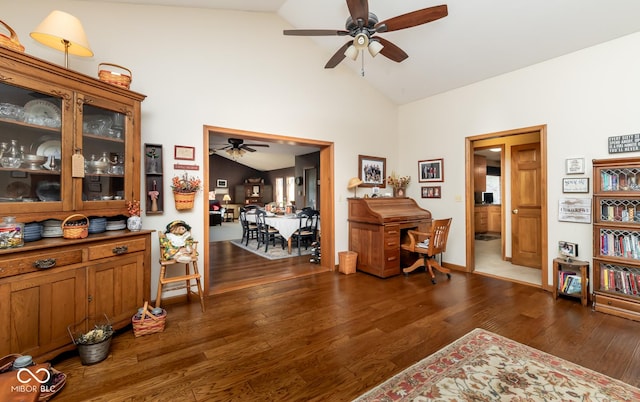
(431, 192)
(430, 170)
(575, 165)
(372, 171)
(221, 183)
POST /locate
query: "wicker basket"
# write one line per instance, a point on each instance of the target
(115, 78)
(76, 226)
(184, 200)
(148, 323)
(11, 43)
(348, 261)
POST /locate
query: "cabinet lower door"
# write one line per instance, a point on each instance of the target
(36, 311)
(116, 288)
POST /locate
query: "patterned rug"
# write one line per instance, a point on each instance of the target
(487, 236)
(273, 253)
(483, 366)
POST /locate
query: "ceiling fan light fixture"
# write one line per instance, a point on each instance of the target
(351, 52)
(361, 41)
(374, 48)
(235, 153)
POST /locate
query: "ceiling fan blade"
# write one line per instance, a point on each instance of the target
(315, 32)
(413, 18)
(338, 56)
(246, 148)
(257, 145)
(392, 51)
(223, 148)
(359, 9)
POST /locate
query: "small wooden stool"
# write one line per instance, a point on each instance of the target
(187, 277)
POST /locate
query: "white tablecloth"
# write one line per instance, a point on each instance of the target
(285, 225)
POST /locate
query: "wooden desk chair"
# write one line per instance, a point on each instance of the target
(190, 260)
(437, 239)
(249, 229)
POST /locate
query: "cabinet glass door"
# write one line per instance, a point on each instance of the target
(103, 147)
(31, 147)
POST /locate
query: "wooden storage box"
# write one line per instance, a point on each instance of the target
(348, 260)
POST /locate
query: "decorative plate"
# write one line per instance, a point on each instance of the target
(48, 148)
(42, 108)
(48, 191)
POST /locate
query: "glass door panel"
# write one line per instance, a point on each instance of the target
(31, 148)
(104, 151)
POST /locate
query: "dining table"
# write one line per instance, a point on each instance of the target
(286, 225)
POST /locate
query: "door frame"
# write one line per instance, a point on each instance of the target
(325, 172)
(506, 138)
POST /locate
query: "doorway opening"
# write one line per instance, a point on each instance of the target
(507, 213)
(325, 204)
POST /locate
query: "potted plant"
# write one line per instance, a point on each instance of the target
(184, 189)
(93, 345)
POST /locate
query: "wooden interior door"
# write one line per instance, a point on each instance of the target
(526, 205)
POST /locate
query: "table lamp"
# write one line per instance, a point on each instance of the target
(64, 32)
(226, 199)
(354, 182)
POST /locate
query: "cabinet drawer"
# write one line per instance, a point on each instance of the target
(116, 248)
(27, 262)
(620, 307)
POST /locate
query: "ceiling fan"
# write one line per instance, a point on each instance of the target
(236, 147)
(363, 25)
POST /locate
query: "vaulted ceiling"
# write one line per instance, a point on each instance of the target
(476, 41)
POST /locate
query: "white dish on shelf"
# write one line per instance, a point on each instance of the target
(48, 148)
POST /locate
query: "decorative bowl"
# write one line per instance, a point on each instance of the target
(97, 167)
(10, 162)
(33, 162)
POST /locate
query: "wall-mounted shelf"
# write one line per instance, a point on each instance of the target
(153, 179)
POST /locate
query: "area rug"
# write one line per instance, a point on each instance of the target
(483, 366)
(273, 253)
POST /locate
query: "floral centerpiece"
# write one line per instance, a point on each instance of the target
(134, 222)
(185, 188)
(399, 184)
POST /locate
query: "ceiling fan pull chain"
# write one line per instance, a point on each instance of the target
(362, 58)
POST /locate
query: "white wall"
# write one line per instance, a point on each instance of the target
(223, 68)
(236, 69)
(583, 98)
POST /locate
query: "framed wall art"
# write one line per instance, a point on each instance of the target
(221, 183)
(431, 170)
(576, 210)
(372, 171)
(431, 192)
(575, 165)
(575, 185)
(184, 153)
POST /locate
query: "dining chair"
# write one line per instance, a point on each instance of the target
(266, 233)
(249, 229)
(307, 229)
(428, 246)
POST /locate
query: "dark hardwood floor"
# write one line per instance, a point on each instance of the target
(233, 268)
(331, 337)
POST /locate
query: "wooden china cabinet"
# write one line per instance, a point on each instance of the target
(53, 117)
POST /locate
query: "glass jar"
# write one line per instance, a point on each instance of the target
(11, 233)
(11, 157)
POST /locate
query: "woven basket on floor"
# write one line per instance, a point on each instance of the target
(148, 323)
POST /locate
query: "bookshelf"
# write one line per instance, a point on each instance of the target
(616, 237)
(571, 278)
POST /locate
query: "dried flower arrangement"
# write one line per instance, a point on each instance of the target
(398, 181)
(185, 184)
(133, 207)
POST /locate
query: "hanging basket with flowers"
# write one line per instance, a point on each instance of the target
(184, 189)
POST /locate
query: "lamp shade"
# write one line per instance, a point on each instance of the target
(374, 48)
(64, 32)
(351, 52)
(226, 197)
